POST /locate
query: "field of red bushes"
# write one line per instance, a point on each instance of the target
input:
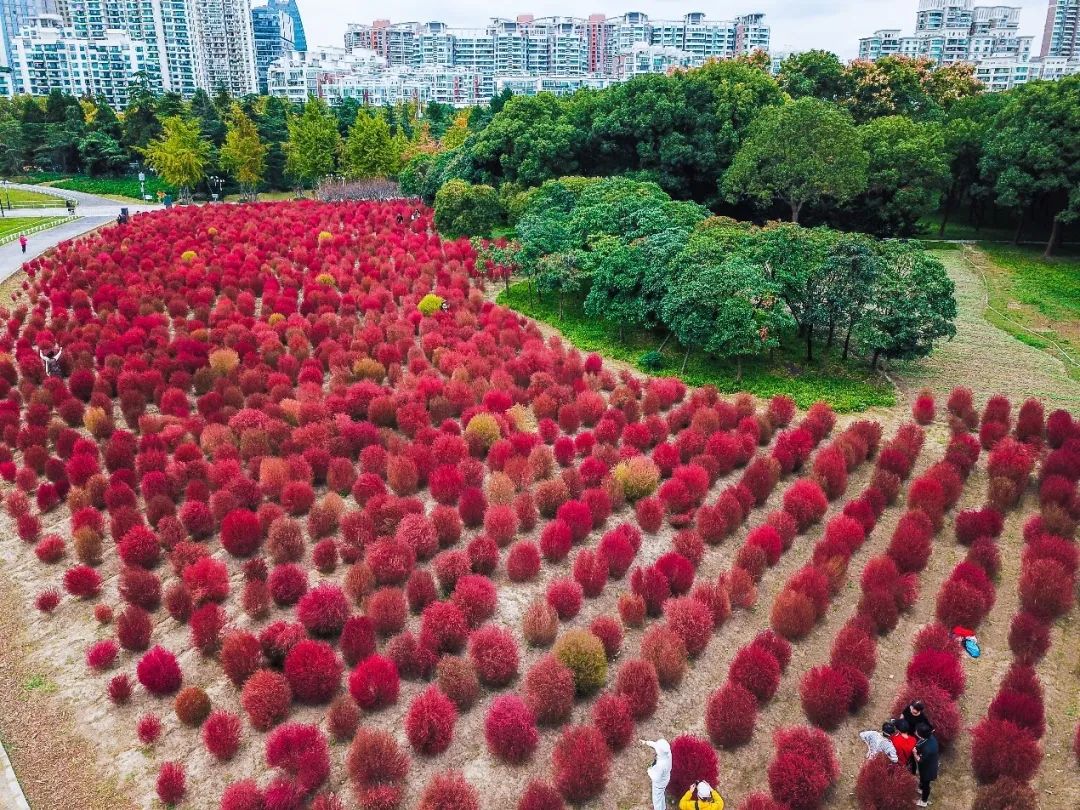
(288, 539)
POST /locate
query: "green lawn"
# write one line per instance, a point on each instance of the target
(1036, 300)
(119, 188)
(846, 386)
(11, 227)
(27, 198)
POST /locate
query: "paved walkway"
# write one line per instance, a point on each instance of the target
(82, 198)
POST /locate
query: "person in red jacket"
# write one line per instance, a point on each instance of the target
(904, 744)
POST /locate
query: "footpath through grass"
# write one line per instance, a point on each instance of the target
(1035, 300)
(847, 386)
(11, 227)
(27, 199)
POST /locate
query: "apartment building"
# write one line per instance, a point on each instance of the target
(1061, 35)
(274, 36)
(228, 45)
(47, 55)
(949, 31)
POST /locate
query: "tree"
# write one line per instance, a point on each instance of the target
(912, 305)
(458, 132)
(369, 150)
(462, 209)
(210, 123)
(60, 148)
(814, 74)
(100, 153)
(907, 173)
(11, 138)
(851, 270)
(966, 131)
(272, 123)
(313, 145)
(1032, 152)
(729, 309)
(802, 152)
(179, 154)
(893, 85)
(141, 124)
(243, 154)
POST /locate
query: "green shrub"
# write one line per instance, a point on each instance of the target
(462, 209)
(430, 303)
(583, 653)
(638, 477)
(411, 177)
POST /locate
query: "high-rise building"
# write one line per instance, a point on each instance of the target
(1061, 36)
(14, 14)
(228, 45)
(275, 37)
(949, 31)
(290, 8)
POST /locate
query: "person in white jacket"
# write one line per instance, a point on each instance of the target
(659, 771)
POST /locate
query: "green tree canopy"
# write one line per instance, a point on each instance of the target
(814, 74)
(462, 209)
(180, 154)
(369, 150)
(312, 149)
(803, 152)
(243, 155)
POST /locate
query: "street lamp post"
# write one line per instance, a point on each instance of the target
(2, 214)
(142, 185)
(216, 184)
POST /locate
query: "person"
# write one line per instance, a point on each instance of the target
(660, 771)
(22, 242)
(913, 717)
(967, 640)
(904, 745)
(880, 742)
(52, 361)
(701, 797)
(926, 755)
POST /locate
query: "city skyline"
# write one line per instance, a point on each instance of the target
(834, 25)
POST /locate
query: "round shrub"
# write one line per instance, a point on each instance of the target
(429, 722)
(1020, 708)
(494, 655)
(449, 790)
(797, 781)
(793, 614)
(510, 730)
(826, 696)
(192, 705)
(523, 561)
(313, 671)
(457, 679)
(565, 596)
(221, 734)
(1001, 749)
(343, 718)
(357, 640)
(539, 624)
(881, 785)
(638, 683)
(171, 783)
(241, 533)
(806, 503)
(1006, 794)
(757, 671)
(1046, 589)
(301, 751)
(584, 655)
(581, 763)
(374, 761)
(549, 690)
(287, 583)
(323, 610)
(693, 760)
(940, 707)
(1029, 638)
(612, 717)
(476, 597)
(387, 609)
(941, 669)
(730, 716)
(661, 646)
(374, 683)
(158, 672)
(609, 631)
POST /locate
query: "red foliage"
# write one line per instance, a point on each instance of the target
(266, 698)
(221, 734)
(158, 672)
(494, 654)
(638, 682)
(565, 596)
(429, 722)
(476, 598)
(523, 561)
(313, 671)
(691, 621)
(941, 669)
(171, 785)
(730, 716)
(540, 796)
(853, 646)
(974, 523)
(1001, 749)
(881, 785)
(387, 609)
(148, 729)
(510, 729)
(1021, 708)
(825, 695)
(1006, 794)
(449, 790)
(693, 760)
(241, 533)
(662, 647)
(549, 690)
(612, 718)
(940, 707)
(581, 763)
(793, 614)
(609, 631)
(374, 683)
(806, 503)
(1029, 637)
(375, 762)
(755, 669)
(1046, 589)
(82, 581)
(323, 610)
(457, 679)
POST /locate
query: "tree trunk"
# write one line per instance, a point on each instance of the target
(947, 210)
(795, 209)
(809, 343)
(1020, 226)
(666, 339)
(847, 340)
(1055, 238)
(684, 359)
(738, 369)
(832, 332)
(873, 361)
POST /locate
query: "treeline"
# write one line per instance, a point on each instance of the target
(638, 259)
(873, 147)
(298, 145)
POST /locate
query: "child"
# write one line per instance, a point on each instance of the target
(880, 742)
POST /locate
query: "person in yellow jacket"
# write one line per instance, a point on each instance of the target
(701, 797)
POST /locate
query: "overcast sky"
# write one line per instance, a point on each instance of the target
(835, 25)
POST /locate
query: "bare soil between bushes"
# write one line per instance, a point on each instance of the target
(71, 747)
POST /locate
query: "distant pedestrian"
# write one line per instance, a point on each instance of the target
(926, 757)
(880, 742)
(22, 241)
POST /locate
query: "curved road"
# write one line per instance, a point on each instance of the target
(92, 212)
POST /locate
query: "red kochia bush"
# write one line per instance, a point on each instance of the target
(730, 716)
(313, 671)
(693, 760)
(1046, 589)
(1021, 708)
(691, 621)
(301, 751)
(523, 561)
(756, 670)
(374, 761)
(540, 796)
(1029, 638)
(476, 597)
(158, 672)
(612, 718)
(974, 523)
(374, 683)
(549, 690)
(1000, 749)
(826, 696)
(494, 654)
(940, 706)
(429, 722)
(171, 783)
(565, 595)
(581, 763)
(323, 610)
(449, 790)
(941, 669)
(805, 502)
(266, 698)
(881, 785)
(510, 729)
(221, 734)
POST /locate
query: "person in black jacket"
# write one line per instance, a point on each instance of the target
(912, 718)
(926, 756)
